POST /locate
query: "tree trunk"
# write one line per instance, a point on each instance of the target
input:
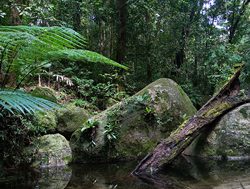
(76, 16)
(236, 19)
(179, 58)
(121, 41)
(15, 14)
(226, 99)
(148, 47)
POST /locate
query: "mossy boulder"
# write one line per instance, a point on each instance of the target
(70, 118)
(45, 121)
(45, 93)
(64, 120)
(131, 128)
(231, 136)
(51, 150)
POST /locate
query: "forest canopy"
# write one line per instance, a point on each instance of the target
(194, 42)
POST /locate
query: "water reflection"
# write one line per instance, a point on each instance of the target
(210, 174)
(53, 178)
(184, 173)
(105, 176)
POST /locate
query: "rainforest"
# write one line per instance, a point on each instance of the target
(117, 94)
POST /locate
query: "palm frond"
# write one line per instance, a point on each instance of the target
(21, 102)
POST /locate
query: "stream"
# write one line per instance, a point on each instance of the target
(185, 173)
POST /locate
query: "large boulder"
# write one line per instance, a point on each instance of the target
(230, 138)
(131, 128)
(51, 150)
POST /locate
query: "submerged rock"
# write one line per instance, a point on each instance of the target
(230, 139)
(51, 150)
(131, 128)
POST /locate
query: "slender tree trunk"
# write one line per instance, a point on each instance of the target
(180, 54)
(196, 7)
(76, 16)
(148, 47)
(179, 58)
(121, 41)
(102, 36)
(15, 14)
(195, 71)
(236, 19)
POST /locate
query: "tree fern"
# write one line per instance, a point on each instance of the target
(22, 47)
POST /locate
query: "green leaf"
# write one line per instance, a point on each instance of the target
(26, 47)
(18, 101)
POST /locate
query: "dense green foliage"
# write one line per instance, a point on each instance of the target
(194, 42)
(25, 48)
(25, 51)
(197, 43)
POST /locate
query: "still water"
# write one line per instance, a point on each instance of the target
(186, 173)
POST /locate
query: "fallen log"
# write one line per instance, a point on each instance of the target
(168, 149)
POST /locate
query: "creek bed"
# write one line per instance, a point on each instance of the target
(186, 173)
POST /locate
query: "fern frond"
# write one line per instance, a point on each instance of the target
(83, 55)
(21, 102)
(68, 37)
(28, 45)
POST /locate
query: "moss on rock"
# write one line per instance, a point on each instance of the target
(49, 151)
(131, 128)
(64, 120)
(44, 92)
(70, 118)
(47, 121)
(231, 136)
